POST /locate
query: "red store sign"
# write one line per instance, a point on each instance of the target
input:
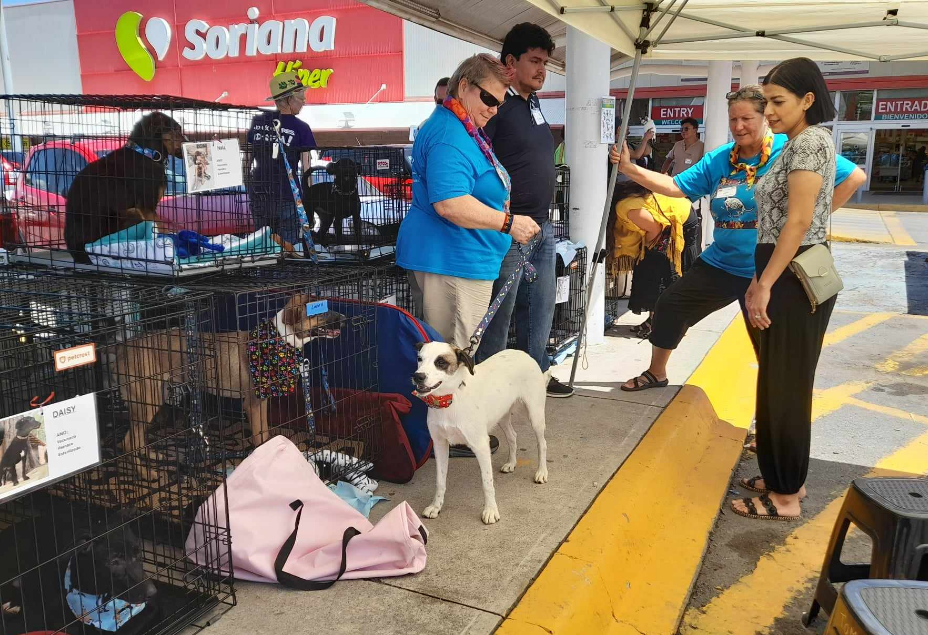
(344, 50)
(672, 115)
(907, 108)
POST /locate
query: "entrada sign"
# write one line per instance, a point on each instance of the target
(673, 115)
(901, 109)
(247, 39)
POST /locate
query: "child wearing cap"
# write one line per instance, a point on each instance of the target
(272, 203)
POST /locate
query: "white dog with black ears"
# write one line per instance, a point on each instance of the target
(466, 402)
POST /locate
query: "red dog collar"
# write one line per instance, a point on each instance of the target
(444, 401)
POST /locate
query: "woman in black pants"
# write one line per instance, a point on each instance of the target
(793, 205)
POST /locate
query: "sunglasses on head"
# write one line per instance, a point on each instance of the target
(489, 100)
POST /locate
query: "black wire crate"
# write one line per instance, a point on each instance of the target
(358, 198)
(560, 203)
(297, 356)
(105, 456)
(571, 297)
(150, 185)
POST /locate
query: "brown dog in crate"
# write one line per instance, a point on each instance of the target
(250, 365)
(124, 187)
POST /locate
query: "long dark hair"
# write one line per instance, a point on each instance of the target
(800, 76)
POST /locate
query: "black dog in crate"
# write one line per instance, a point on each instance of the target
(336, 200)
(124, 187)
(17, 451)
(72, 573)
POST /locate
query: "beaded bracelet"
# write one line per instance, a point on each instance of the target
(509, 219)
(507, 222)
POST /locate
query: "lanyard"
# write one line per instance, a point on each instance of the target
(297, 199)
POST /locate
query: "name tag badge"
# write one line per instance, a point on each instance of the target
(726, 192)
(687, 161)
(537, 116)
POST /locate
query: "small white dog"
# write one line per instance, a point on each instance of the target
(466, 402)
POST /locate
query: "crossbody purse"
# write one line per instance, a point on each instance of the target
(815, 268)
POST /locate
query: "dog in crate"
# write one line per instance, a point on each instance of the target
(250, 365)
(68, 572)
(334, 201)
(123, 188)
(466, 402)
(18, 450)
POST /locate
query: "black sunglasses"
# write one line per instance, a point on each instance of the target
(489, 100)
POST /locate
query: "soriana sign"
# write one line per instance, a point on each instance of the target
(906, 108)
(233, 47)
(673, 115)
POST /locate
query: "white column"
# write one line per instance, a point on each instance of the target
(749, 73)
(587, 84)
(715, 116)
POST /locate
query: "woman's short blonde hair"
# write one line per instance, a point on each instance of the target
(752, 93)
(477, 69)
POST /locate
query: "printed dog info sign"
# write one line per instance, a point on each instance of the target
(47, 444)
(212, 165)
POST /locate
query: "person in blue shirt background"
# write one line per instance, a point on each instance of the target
(272, 203)
(723, 272)
(459, 226)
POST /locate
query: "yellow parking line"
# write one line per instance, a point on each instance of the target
(756, 601)
(896, 230)
(895, 361)
(887, 410)
(824, 402)
(859, 326)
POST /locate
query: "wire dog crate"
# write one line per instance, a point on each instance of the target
(297, 356)
(560, 203)
(568, 314)
(160, 185)
(101, 407)
(359, 197)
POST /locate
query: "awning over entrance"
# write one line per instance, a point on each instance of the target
(696, 29)
(481, 22)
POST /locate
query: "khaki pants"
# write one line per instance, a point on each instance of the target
(452, 306)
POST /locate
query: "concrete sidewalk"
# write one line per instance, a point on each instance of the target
(476, 574)
(875, 226)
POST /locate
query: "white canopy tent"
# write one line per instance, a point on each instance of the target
(824, 30)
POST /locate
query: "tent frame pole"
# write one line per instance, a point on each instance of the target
(599, 254)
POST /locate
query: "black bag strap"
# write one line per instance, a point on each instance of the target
(296, 582)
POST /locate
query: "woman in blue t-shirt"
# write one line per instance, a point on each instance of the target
(723, 272)
(459, 227)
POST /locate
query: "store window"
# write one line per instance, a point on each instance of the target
(639, 111)
(856, 105)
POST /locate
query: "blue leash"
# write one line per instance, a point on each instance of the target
(527, 270)
(300, 210)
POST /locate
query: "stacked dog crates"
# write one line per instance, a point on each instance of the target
(130, 363)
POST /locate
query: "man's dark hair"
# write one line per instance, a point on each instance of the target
(690, 121)
(524, 37)
(800, 76)
(442, 82)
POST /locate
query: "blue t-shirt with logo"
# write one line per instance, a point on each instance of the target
(447, 163)
(270, 176)
(732, 205)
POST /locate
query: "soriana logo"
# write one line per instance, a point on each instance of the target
(248, 39)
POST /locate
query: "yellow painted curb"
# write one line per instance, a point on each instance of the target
(630, 563)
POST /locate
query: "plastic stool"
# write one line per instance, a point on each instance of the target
(894, 513)
(880, 607)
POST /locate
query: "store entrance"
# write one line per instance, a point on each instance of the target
(899, 159)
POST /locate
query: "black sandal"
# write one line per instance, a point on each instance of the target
(750, 484)
(772, 513)
(652, 382)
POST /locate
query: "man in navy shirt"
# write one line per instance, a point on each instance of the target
(272, 203)
(524, 145)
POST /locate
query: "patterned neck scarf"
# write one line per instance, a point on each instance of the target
(482, 141)
(750, 171)
(273, 362)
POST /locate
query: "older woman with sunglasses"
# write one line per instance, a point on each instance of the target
(723, 272)
(459, 228)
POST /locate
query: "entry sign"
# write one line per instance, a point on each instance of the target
(673, 115)
(902, 109)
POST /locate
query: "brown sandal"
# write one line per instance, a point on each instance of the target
(750, 484)
(771, 514)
